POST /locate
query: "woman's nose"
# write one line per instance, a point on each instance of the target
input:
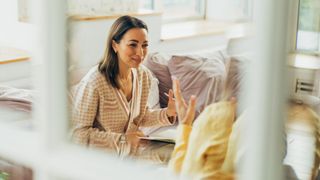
(140, 51)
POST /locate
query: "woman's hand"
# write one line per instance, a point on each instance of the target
(171, 109)
(133, 138)
(185, 112)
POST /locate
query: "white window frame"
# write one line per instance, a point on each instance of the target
(143, 2)
(200, 16)
(246, 8)
(52, 157)
(293, 24)
(157, 5)
(230, 10)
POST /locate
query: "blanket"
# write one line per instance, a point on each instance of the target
(17, 99)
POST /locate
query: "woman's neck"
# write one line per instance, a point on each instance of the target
(124, 71)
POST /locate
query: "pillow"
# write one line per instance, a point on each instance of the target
(16, 94)
(199, 76)
(236, 71)
(76, 74)
(153, 103)
(158, 64)
(15, 98)
(153, 98)
(15, 171)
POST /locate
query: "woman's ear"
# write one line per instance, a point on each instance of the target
(115, 46)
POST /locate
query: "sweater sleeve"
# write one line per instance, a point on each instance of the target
(157, 117)
(179, 152)
(85, 130)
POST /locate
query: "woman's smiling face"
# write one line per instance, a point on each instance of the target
(132, 48)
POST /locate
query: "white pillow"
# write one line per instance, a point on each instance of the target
(153, 103)
(153, 99)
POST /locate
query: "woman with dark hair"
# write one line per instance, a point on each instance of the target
(110, 102)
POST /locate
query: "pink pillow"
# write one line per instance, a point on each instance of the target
(158, 64)
(199, 76)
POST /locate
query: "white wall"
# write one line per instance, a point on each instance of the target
(87, 44)
(8, 11)
(226, 10)
(88, 38)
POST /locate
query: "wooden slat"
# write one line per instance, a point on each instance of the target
(95, 17)
(11, 55)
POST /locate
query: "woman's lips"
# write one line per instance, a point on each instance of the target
(137, 60)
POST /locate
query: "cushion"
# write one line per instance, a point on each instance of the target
(76, 74)
(199, 76)
(15, 171)
(158, 65)
(16, 106)
(236, 71)
(16, 98)
(153, 98)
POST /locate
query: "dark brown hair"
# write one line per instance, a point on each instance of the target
(109, 65)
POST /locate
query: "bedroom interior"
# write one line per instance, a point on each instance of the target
(45, 51)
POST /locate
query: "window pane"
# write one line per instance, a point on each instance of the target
(242, 9)
(146, 4)
(182, 9)
(308, 25)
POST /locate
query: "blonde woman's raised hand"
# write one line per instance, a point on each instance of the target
(186, 113)
(171, 109)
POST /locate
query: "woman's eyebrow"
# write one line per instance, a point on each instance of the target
(134, 40)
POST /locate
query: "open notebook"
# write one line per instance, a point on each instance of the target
(301, 146)
(164, 134)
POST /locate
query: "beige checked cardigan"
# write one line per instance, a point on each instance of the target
(101, 114)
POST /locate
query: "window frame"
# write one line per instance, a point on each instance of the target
(294, 12)
(200, 16)
(58, 160)
(158, 5)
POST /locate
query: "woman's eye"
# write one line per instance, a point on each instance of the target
(133, 45)
(145, 45)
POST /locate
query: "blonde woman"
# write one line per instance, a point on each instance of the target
(202, 149)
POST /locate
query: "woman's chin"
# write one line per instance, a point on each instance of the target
(135, 64)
